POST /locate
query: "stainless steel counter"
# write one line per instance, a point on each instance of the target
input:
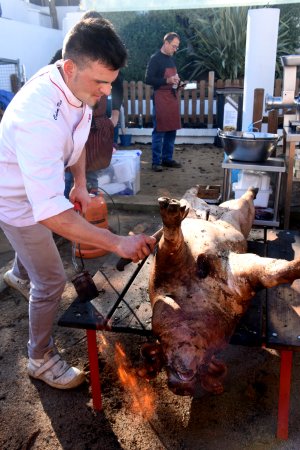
(274, 165)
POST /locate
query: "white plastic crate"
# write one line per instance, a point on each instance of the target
(262, 197)
(122, 177)
(248, 178)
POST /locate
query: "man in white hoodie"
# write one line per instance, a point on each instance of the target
(43, 131)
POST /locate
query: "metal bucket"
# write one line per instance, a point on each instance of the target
(248, 146)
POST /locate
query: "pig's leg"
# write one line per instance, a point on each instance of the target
(212, 379)
(171, 251)
(172, 212)
(248, 271)
(240, 212)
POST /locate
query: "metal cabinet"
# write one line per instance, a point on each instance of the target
(290, 140)
(273, 165)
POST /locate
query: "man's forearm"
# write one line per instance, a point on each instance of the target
(115, 117)
(75, 228)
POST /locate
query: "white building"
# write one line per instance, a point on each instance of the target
(27, 36)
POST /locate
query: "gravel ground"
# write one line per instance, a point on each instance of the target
(35, 416)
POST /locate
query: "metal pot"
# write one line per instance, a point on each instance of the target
(248, 146)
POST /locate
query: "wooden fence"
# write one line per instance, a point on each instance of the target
(197, 105)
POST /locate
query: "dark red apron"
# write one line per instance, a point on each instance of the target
(167, 105)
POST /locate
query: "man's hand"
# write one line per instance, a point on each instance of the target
(174, 79)
(81, 195)
(76, 229)
(135, 247)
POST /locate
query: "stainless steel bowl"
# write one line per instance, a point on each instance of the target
(248, 146)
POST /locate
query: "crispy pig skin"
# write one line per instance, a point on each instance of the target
(201, 283)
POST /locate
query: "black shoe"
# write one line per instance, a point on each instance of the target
(171, 163)
(157, 168)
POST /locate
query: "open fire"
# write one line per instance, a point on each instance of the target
(143, 399)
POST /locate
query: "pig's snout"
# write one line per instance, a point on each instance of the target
(179, 386)
(182, 369)
(184, 361)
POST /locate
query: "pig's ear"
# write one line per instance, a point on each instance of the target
(153, 360)
(151, 350)
(166, 314)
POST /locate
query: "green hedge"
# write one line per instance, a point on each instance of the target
(143, 34)
(211, 39)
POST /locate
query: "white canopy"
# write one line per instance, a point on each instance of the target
(153, 5)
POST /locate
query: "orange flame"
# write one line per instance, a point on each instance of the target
(143, 398)
(102, 342)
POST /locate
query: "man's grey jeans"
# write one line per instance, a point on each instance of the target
(38, 260)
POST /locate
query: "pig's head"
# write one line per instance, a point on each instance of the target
(182, 358)
(185, 352)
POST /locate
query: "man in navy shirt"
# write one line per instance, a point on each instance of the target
(162, 74)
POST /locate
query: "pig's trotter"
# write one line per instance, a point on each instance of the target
(254, 191)
(172, 211)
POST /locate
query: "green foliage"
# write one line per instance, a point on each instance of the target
(288, 34)
(217, 40)
(142, 34)
(211, 39)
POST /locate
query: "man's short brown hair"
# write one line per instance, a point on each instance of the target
(170, 36)
(94, 39)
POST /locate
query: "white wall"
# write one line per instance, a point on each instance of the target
(16, 9)
(260, 60)
(70, 19)
(22, 11)
(63, 11)
(33, 45)
(26, 12)
(26, 33)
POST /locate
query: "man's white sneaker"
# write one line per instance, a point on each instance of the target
(55, 371)
(23, 286)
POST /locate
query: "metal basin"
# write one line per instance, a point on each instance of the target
(248, 146)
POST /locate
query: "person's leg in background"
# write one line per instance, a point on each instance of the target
(168, 149)
(109, 113)
(91, 182)
(68, 183)
(116, 135)
(48, 278)
(157, 142)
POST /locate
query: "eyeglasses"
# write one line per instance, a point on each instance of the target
(175, 47)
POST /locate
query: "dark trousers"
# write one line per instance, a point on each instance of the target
(162, 143)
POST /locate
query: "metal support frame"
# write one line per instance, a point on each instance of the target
(284, 393)
(285, 362)
(94, 369)
(272, 165)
